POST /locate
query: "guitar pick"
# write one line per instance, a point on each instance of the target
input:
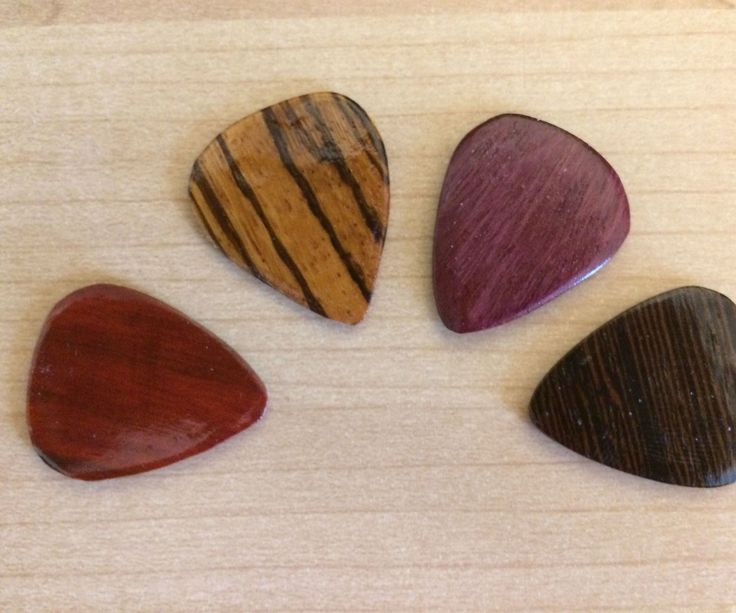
(652, 392)
(297, 194)
(526, 212)
(122, 383)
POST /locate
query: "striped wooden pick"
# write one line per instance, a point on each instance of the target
(652, 392)
(297, 194)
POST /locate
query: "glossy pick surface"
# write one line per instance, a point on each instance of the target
(652, 392)
(297, 194)
(122, 383)
(526, 212)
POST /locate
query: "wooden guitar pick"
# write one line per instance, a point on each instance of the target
(122, 383)
(527, 211)
(297, 194)
(652, 392)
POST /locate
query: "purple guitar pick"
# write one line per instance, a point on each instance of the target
(527, 211)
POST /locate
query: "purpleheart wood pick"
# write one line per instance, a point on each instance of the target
(122, 383)
(527, 211)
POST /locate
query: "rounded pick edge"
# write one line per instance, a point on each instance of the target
(552, 125)
(325, 92)
(711, 481)
(104, 474)
(460, 327)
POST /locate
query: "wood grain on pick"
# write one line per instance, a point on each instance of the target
(527, 211)
(652, 392)
(297, 194)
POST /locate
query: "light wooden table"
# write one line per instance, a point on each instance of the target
(396, 468)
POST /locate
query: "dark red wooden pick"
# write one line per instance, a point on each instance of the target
(652, 392)
(527, 211)
(122, 383)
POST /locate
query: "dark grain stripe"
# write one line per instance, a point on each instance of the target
(211, 232)
(200, 180)
(352, 108)
(321, 153)
(312, 202)
(282, 252)
(340, 104)
(336, 156)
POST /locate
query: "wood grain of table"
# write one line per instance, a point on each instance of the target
(396, 468)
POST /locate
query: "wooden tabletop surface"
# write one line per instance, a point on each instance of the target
(396, 468)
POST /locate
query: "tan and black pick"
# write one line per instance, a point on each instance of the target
(298, 195)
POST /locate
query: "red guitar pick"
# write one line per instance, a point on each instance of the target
(122, 383)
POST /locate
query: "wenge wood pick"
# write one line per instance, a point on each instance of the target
(122, 383)
(652, 392)
(297, 194)
(526, 212)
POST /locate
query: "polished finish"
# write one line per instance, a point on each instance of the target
(652, 392)
(297, 194)
(122, 383)
(526, 212)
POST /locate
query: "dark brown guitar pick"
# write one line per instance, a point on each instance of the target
(122, 383)
(297, 194)
(652, 392)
